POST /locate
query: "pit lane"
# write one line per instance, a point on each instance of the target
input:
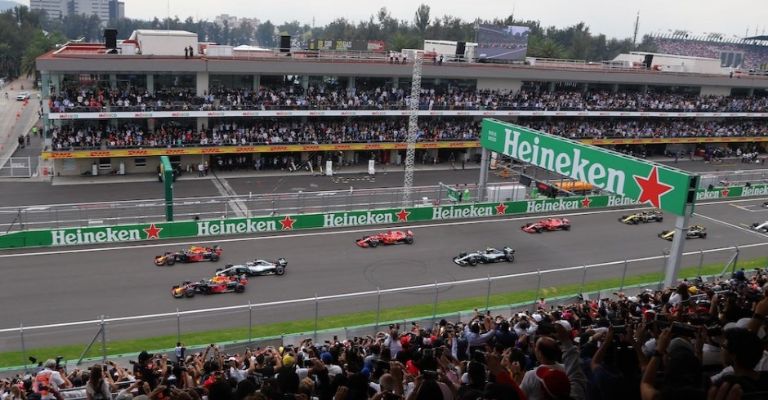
(73, 285)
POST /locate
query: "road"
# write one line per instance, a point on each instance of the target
(122, 281)
(16, 118)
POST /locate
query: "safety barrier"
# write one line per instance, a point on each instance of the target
(290, 222)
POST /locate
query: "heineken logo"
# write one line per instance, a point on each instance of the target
(651, 189)
(708, 195)
(211, 228)
(471, 211)
(618, 201)
(71, 237)
(552, 205)
(335, 220)
(755, 191)
(572, 165)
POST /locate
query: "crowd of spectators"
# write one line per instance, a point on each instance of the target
(374, 130)
(755, 55)
(93, 99)
(699, 340)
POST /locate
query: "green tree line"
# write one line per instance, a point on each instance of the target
(25, 34)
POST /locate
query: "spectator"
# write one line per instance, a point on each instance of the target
(97, 387)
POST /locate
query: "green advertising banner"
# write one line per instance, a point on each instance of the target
(283, 223)
(643, 181)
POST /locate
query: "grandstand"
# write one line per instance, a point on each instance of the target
(753, 49)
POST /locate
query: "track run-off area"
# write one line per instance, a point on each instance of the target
(54, 286)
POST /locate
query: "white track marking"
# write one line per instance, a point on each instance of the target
(278, 235)
(734, 226)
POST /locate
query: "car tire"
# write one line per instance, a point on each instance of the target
(373, 243)
(409, 240)
(510, 258)
(170, 261)
(239, 289)
(703, 235)
(539, 230)
(280, 271)
(189, 293)
(566, 227)
(472, 261)
(214, 257)
(660, 219)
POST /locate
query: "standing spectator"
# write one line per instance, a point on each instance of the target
(97, 387)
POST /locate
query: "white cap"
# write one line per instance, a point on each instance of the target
(565, 324)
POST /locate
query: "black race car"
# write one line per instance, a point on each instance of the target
(490, 255)
(642, 217)
(693, 232)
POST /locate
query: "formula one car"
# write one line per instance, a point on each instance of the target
(217, 284)
(190, 255)
(388, 237)
(760, 227)
(548, 224)
(255, 268)
(693, 232)
(643, 216)
(490, 255)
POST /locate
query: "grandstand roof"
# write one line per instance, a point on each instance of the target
(759, 37)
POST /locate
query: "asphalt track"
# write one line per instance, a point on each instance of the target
(81, 284)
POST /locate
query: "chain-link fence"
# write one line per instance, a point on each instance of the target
(19, 167)
(365, 312)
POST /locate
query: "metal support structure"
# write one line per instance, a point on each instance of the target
(178, 325)
(434, 305)
(488, 293)
(317, 316)
(538, 289)
(166, 175)
(103, 341)
(676, 252)
(735, 260)
(23, 346)
(378, 308)
(413, 128)
(250, 323)
(701, 262)
(482, 183)
(623, 275)
(583, 280)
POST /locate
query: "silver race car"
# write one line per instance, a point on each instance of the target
(760, 227)
(256, 267)
(490, 255)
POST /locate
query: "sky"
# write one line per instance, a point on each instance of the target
(614, 18)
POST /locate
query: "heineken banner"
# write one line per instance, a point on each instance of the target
(213, 228)
(643, 181)
(165, 230)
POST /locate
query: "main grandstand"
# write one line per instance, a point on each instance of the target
(126, 106)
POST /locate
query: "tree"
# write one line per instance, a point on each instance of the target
(421, 19)
(265, 34)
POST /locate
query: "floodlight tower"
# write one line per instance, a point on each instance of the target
(413, 128)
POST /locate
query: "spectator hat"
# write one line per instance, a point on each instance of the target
(679, 344)
(288, 360)
(537, 317)
(326, 357)
(554, 382)
(50, 363)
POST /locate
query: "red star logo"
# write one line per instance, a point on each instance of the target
(402, 216)
(501, 209)
(586, 202)
(724, 192)
(287, 223)
(651, 190)
(152, 232)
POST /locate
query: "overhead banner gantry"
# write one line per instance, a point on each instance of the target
(643, 181)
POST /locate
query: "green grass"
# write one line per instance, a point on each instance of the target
(114, 348)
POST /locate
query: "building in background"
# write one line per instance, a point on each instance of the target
(106, 10)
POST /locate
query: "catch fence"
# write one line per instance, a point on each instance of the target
(374, 308)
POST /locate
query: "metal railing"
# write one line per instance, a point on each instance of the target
(205, 208)
(488, 292)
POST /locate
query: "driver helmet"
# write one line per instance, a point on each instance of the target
(489, 249)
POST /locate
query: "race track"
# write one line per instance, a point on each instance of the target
(122, 281)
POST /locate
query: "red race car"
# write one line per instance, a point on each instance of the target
(190, 255)
(217, 284)
(388, 237)
(548, 224)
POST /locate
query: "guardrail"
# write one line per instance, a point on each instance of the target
(488, 292)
